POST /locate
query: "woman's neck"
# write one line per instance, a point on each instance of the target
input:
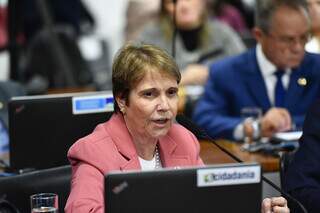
(145, 146)
(146, 150)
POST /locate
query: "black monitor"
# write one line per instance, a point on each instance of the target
(221, 188)
(42, 128)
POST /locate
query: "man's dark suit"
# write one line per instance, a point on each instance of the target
(237, 82)
(303, 175)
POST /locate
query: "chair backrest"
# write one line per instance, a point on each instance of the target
(43, 60)
(17, 189)
(285, 160)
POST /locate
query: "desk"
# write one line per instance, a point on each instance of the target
(211, 154)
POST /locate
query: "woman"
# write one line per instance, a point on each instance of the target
(140, 134)
(199, 40)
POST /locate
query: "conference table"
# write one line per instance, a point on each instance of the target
(211, 154)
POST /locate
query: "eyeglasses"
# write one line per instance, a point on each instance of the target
(290, 40)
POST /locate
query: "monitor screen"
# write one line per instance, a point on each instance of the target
(42, 128)
(219, 188)
(4, 138)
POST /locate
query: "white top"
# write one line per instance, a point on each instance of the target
(147, 164)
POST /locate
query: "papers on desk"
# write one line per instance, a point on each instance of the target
(271, 148)
(280, 141)
(288, 136)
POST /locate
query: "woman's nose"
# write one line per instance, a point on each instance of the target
(163, 103)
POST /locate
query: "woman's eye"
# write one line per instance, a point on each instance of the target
(148, 94)
(172, 92)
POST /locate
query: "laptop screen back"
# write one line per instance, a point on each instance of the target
(42, 128)
(222, 188)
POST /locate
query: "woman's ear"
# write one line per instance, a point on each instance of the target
(121, 103)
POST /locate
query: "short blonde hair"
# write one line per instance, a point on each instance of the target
(131, 64)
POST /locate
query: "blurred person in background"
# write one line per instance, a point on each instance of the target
(198, 41)
(314, 44)
(277, 76)
(139, 13)
(229, 14)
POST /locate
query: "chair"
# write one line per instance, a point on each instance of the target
(285, 160)
(17, 189)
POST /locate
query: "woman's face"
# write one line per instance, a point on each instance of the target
(188, 12)
(153, 104)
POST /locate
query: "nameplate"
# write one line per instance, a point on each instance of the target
(92, 104)
(233, 175)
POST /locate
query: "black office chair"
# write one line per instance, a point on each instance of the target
(17, 189)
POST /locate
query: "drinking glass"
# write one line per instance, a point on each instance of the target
(44, 202)
(254, 114)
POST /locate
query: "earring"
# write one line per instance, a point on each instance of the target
(123, 111)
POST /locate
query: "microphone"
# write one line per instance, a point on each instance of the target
(174, 35)
(201, 134)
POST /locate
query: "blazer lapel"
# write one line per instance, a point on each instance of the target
(169, 157)
(132, 164)
(124, 144)
(255, 83)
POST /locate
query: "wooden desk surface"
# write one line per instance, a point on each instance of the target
(211, 154)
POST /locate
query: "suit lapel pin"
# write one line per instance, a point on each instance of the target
(302, 81)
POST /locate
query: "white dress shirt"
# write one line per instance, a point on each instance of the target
(267, 70)
(313, 46)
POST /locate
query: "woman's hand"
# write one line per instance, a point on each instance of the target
(274, 205)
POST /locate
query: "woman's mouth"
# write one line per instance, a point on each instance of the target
(161, 121)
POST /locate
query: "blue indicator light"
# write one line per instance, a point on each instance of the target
(90, 104)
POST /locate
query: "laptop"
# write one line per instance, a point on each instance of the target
(42, 128)
(225, 188)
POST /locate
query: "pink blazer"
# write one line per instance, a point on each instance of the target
(109, 147)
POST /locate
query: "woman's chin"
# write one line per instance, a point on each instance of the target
(188, 25)
(158, 133)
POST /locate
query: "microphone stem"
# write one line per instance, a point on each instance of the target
(174, 35)
(284, 194)
(200, 133)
